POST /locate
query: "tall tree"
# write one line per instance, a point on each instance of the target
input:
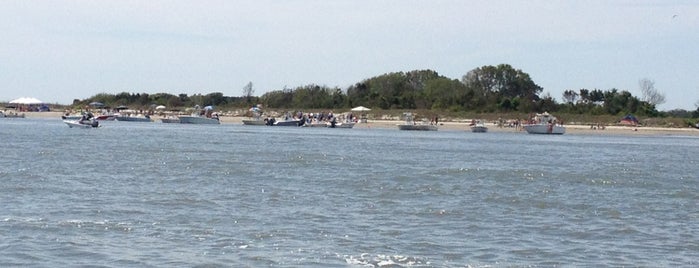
(649, 93)
(248, 91)
(570, 96)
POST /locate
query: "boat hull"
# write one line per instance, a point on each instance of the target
(545, 129)
(105, 117)
(77, 124)
(288, 123)
(342, 125)
(479, 129)
(418, 127)
(254, 122)
(170, 120)
(132, 119)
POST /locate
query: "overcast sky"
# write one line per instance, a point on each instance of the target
(58, 51)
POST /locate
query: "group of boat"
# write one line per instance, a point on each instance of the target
(10, 114)
(87, 120)
(301, 120)
(543, 123)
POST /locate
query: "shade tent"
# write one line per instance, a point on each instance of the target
(360, 109)
(629, 119)
(26, 100)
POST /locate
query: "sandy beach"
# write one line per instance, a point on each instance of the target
(461, 125)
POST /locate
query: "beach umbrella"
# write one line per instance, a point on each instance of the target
(160, 107)
(96, 104)
(360, 109)
(121, 107)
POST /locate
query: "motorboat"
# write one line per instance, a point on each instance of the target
(288, 121)
(544, 123)
(410, 124)
(479, 127)
(205, 116)
(200, 120)
(86, 123)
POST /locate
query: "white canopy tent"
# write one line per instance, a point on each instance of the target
(360, 109)
(26, 100)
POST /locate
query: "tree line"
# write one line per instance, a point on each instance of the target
(485, 89)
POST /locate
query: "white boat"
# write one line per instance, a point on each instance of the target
(544, 123)
(410, 124)
(479, 127)
(81, 123)
(194, 119)
(199, 116)
(289, 122)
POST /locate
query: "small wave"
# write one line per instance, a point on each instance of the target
(368, 260)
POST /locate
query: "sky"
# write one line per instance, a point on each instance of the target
(58, 51)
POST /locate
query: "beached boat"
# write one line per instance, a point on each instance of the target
(200, 120)
(82, 123)
(288, 121)
(199, 116)
(479, 127)
(256, 118)
(544, 123)
(410, 124)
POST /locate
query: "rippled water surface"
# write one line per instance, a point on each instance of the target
(168, 195)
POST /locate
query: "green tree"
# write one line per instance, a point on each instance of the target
(496, 83)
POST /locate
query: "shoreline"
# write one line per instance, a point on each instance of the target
(462, 126)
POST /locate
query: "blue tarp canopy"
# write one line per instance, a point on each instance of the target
(629, 119)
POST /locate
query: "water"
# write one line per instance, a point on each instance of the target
(154, 195)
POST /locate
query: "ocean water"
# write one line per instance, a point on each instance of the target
(168, 195)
